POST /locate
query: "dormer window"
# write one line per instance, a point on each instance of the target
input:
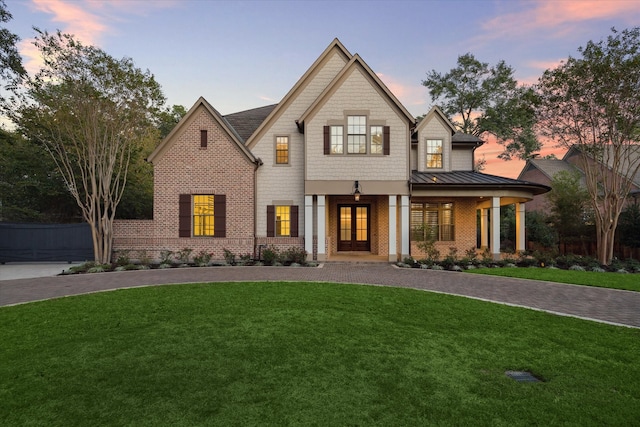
(434, 153)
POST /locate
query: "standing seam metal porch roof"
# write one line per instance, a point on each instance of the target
(466, 179)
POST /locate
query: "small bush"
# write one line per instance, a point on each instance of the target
(577, 268)
(229, 257)
(202, 259)
(246, 259)
(143, 257)
(165, 256)
(183, 256)
(294, 255)
(123, 257)
(269, 255)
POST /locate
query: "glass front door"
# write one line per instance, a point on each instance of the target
(353, 228)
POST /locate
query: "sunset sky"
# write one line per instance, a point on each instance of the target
(246, 54)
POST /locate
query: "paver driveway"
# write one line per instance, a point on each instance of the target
(604, 305)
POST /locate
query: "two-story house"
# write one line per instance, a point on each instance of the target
(337, 166)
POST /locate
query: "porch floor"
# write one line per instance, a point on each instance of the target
(357, 257)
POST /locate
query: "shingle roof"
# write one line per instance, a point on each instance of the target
(246, 122)
(466, 179)
(549, 167)
(465, 137)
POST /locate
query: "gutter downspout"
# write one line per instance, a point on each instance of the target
(257, 163)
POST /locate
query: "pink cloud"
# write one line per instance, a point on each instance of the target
(557, 16)
(86, 26)
(409, 95)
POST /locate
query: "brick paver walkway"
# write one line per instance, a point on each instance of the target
(604, 305)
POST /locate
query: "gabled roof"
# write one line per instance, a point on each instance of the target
(224, 125)
(246, 122)
(465, 138)
(355, 62)
(548, 167)
(630, 159)
(436, 111)
(470, 180)
(335, 45)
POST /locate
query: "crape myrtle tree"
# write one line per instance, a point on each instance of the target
(481, 100)
(591, 103)
(91, 112)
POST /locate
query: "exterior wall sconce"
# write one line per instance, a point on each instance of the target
(434, 179)
(356, 193)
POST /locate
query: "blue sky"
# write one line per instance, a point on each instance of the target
(246, 54)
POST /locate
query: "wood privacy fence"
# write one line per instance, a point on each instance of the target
(45, 242)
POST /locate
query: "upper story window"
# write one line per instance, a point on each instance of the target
(337, 140)
(282, 150)
(376, 139)
(357, 134)
(434, 153)
(203, 138)
(203, 215)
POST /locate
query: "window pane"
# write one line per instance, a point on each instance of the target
(283, 220)
(345, 223)
(432, 219)
(203, 219)
(376, 139)
(356, 144)
(282, 150)
(434, 153)
(361, 224)
(357, 134)
(337, 140)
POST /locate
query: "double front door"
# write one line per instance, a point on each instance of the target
(353, 228)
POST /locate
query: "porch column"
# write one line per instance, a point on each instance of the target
(322, 250)
(484, 228)
(520, 223)
(404, 222)
(393, 252)
(495, 227)
(308, 225)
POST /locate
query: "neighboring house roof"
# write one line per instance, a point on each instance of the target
(548, 167)
(470, 179)
(295, 90)
(355, 62)
(246, 122)
(224, 125)
(631, 159)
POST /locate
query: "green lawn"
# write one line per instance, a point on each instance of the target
(629, 282)
(302, 354)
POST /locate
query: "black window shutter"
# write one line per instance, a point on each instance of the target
(184, 215)
(271, 221)
(327, 141)
(203, 138)
(220, 215)
(294, 221)
(386, 140)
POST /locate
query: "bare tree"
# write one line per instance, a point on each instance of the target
(89, 111)
(591, 104)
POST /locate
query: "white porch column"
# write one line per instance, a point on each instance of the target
(308, 225)
(404, 221)
(484, 228)
(393, 252)
(322, 250)
(495, 227)
(520, 227)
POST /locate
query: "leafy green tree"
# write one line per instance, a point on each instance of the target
(482, 100)
(31, 189)
(10, 59)
(539, 230)
(91, 112)
(168, 118)
(569, 206)
(592, 103)
(629, 228)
